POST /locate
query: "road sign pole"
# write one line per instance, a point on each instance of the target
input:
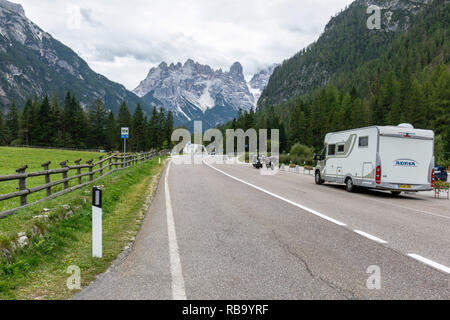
(125, 132)
(97, 214)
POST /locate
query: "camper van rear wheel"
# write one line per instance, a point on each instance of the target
(318, 178)
(349, 185)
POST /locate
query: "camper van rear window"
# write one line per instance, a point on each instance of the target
(364, 141)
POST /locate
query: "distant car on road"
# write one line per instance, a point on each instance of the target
(440, 173)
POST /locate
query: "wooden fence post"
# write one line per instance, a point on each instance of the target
(64, 174)
(78, 163)
(101, 165)
(123, 161)
(115, 161)
(22, 185)
(110, 161)
(47, 177)
(91, 176)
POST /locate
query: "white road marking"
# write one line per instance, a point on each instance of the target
(430, 262)
(369, 236)
(364, 234)
(280, 197)
(178, 289)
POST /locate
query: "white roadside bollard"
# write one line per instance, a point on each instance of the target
(97, 214)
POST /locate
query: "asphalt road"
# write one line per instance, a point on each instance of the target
(231, 233)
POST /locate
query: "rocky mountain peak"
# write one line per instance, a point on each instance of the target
(237, 72)
(15, 7)
(194, 91)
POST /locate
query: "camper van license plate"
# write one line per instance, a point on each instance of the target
(405, 186)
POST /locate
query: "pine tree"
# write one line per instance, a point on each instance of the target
(160, 129)
(297, 127)
(97, 125)
(12, 120)
(27, 122)
(169, 129)
(4, 131)
(124, 119)
(56, 120)
(79, 128)
(415, 105)
(153, 129)
(45, 123)
(67, 116)
(112, 133)
(137, 139)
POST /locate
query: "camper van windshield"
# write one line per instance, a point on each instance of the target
(323, 155)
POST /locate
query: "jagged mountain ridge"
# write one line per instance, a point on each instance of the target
(193, 91)
(260, 80)
(33, 62)
(345, 44)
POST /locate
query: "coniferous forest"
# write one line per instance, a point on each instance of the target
(45, 123)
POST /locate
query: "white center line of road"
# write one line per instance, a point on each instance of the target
(430, 262)
(369, 236)
(178, 289)
(280, 197)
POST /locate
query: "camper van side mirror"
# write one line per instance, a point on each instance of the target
(315, 157)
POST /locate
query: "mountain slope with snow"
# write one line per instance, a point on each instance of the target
(197, 92)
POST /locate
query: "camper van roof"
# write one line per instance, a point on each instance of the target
(393, 130)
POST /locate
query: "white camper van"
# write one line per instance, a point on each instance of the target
(389, 158)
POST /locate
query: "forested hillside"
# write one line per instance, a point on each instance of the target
(345, 45)
(408, 82)
(45, 123)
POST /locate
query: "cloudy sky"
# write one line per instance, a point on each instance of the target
(124, 39)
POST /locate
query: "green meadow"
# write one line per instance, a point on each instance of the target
(14, 158)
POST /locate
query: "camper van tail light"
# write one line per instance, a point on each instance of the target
(378, 175)
(432, 178)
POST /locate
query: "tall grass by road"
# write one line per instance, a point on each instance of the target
(38, 271)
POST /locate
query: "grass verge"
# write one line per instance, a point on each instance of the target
(38, 271)
(14, 158)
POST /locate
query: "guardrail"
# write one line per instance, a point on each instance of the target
(296, 169)
(105, 166)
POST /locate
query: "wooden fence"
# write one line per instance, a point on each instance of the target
(105, 167)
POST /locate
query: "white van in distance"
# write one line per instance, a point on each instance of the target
(389, 158)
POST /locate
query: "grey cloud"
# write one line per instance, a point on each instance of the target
(87, 16)
(123, 39)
